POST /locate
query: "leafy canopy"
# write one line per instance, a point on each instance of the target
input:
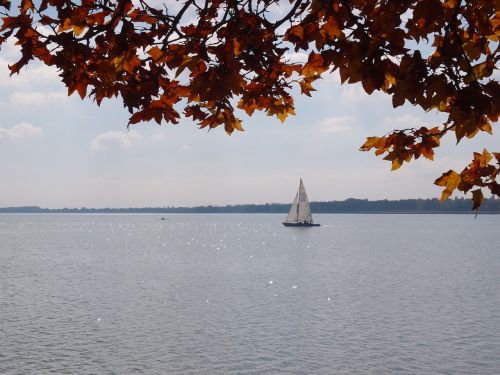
(209, 59)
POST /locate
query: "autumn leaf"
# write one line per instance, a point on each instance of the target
(282, 116)
(297, 31)
(155, 53)
(396, 164)
(313, 66)
(451, 4)
(81, 87)
(450, 181)
(483, 159)
(472, 49)
(97, 18)
(373, 142)
(78, 29)
(236, 47)
(231, 124)
(332, 29)
(26, 5)
(306, 87)
(486, 127)
(389, 79)
(66, 25)
(477, 198)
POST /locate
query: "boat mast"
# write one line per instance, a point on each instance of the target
(298, 202)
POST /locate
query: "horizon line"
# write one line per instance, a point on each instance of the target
(234, 204)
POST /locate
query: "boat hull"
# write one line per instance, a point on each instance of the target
(300, 224)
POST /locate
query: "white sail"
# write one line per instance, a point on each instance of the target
(300, 212)
(293, 213)
(304, 210)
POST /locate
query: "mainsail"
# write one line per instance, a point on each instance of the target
(300, 212)
(304, 211)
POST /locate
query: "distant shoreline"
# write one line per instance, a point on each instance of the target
(360, 206)
(56, 212)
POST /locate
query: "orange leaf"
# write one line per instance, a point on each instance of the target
(450, 181)
(155, 53)
(332, 28)
(236, 47)
(25, 5)
(396, 164)
(314, 65)
(451, 4)
(66, 25)
(282, 116)
(306, 87)
(372, 142)
(78, 29)
(97, 18)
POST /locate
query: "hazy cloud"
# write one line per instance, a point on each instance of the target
(354, 93)
(19, 132)
(404, 122)
(296, 57)
(123, 140)
(35, 74)
(36, 98)
(337, 125)
(185, 148)
(159, 137)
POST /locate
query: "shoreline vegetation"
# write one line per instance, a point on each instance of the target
(351, 205)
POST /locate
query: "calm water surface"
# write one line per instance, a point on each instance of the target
(241, 294)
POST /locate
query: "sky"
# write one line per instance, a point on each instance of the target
(59, 152)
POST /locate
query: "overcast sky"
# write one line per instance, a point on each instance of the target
(57, 151)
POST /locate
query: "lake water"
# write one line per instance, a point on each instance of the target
(242, 294)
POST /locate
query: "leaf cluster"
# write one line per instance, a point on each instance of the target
(211, 59)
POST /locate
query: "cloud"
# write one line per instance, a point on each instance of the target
(329, 80)
(354, 93)
(123, 140)
(159, 137)
(405, 122)
(36, 98)
(337, 125)
(185, 148)
(19, 132)
(296, 57)
(34, 74)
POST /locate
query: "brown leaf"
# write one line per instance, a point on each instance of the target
(477, 198)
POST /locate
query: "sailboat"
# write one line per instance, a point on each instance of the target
(300, 212)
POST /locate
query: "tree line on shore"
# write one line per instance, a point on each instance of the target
(350, 205)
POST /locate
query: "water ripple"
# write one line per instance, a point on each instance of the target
(364, 294)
